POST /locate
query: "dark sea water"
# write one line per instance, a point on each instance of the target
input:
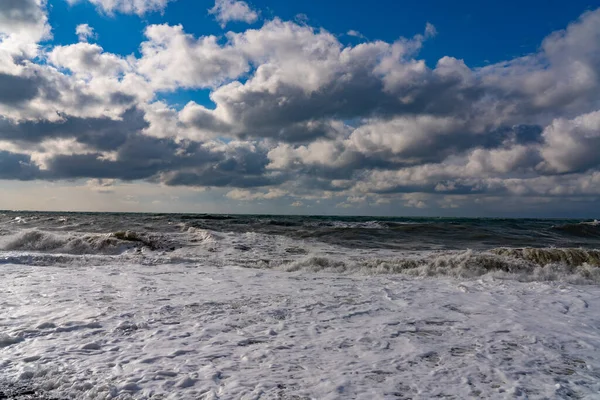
(527, 249)
(352, 232)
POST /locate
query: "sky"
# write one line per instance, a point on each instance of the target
(415, 108)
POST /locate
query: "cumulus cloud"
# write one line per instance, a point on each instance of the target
(24, 18)
(572, 145)
(226, 11)
(88, 60)
(139, 7)
(299, 115)
(171, 59)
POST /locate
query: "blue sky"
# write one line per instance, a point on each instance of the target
(311, 107)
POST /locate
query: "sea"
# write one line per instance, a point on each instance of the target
(201, 306)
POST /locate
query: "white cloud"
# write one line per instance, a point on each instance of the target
(87, 59)
(250, 195)
(172, 59)
(355, 33)
(430, 30)
(139, 7)
(572, 145)
(403, 137)
(226, 11)
(85, 32)
(23, 22)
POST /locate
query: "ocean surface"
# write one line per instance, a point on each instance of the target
(530, 248)
(182, 306)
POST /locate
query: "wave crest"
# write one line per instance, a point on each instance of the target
(569, 265)
(545, 256)
(112, 243)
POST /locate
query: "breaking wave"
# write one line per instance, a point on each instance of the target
(569, 257)
(202, 235)
(112, 243)
(431, 248)
(568, 265)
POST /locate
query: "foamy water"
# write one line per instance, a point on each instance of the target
(173, 309)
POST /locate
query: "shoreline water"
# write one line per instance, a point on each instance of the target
(131, 331)
(11, 391)
(139, 307)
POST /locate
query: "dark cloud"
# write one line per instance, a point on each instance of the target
(104, 134)
(217, 178)
(17, 166)
(17, 89)
(136, 156)
(289, 114)
(164, 160)
(20, 11)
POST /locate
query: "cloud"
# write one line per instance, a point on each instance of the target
(88, 60)
(249, 195)
(572, 145)
(226, 11)
(17, 89)
(139, 7)
(104, 186)
(172, 59)
(355, 34)
(17, 166)
(415, 200)
(26, 18)
(299, 115)
(304, 78)
(85, 32)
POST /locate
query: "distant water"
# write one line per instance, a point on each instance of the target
(353, 232)
(368, 244)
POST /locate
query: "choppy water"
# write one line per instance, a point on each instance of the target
(533, 249)
(352, 232)
(126, 306)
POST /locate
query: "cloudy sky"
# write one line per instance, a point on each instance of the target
(303, 107)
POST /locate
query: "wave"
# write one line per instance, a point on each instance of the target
(545, 256)
(202, 235)
(568, 265)
(112, 243)
(582, 229)
(349, 224)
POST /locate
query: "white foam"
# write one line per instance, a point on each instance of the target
(204, 235)
(456, 264)
(171, 331)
